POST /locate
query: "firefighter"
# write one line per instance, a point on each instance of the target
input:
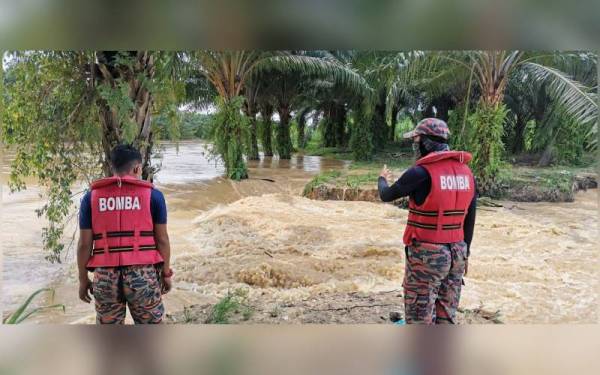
(437, 238)
(124, 242)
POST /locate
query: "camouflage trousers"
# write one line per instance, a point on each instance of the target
(433, 281)
(138, 287)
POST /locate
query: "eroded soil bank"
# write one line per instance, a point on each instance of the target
(561, 188)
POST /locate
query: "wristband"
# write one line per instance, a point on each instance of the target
(169, 273)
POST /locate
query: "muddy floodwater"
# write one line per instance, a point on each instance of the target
(535, 262)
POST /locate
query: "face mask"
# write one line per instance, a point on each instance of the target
(416, 146)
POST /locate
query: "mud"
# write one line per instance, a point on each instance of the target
(330, 308)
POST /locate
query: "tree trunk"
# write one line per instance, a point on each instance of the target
(113, 132)
(519, 142)
(301, 140)
(267, 129)
(284, 142)
(379, 126)
(250, 112)
(253, 140)
(548, 153)
(327, 127)
(340, 126)
(392, 134)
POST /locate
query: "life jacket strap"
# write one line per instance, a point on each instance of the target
(423, 213)
(435, 213)
(421, 225)
(118, 249)
(454, 213)
(433, 226)
(144, 233)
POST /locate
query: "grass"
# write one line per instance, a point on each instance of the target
(232, 303)
(398, 157)
(555, 178)
(358, 180)
(20, 315)
(546, 182)
(361, 173)
(320, 179)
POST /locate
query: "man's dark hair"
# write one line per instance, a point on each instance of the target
(123, 157)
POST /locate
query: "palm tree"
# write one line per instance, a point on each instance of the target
(493, 70)
(491, 73)
(229, 72)
(423, 76)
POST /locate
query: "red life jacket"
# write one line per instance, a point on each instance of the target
(441, 217)
(122, 223)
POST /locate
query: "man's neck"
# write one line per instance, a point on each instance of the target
(125, 175)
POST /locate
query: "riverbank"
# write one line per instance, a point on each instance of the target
(519, 181)
(327, 308)
(515, 183)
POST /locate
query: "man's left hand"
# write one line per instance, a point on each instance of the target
(385, 173)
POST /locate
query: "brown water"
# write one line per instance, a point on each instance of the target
(536, 262)
(191, 182)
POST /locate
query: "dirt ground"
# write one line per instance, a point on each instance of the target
(339, 308)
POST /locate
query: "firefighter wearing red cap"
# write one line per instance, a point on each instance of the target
(439, 229)
(124, 242)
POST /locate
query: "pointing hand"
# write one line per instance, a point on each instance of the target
(385, 173)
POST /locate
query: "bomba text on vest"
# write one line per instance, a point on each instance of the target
(119, 203)
(453, 182)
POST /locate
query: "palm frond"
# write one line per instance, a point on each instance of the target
(316, 67)
(578, 101)
(411, 73)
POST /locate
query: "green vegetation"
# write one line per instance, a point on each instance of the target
(65, 110)
(320, 179)
(537, 184)
(191, 125)
(229, 129)
(487, 123)
(232, 303)
(21, 315)
(361, 140)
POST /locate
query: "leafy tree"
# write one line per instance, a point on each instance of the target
(492, 73)
(230, 71)
(64, 111)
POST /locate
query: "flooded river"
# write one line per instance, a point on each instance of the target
(535, 262)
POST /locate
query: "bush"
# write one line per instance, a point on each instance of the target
(236, 302)
(361, 140)
(186, 125)
(488, 125)
(229, 129)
